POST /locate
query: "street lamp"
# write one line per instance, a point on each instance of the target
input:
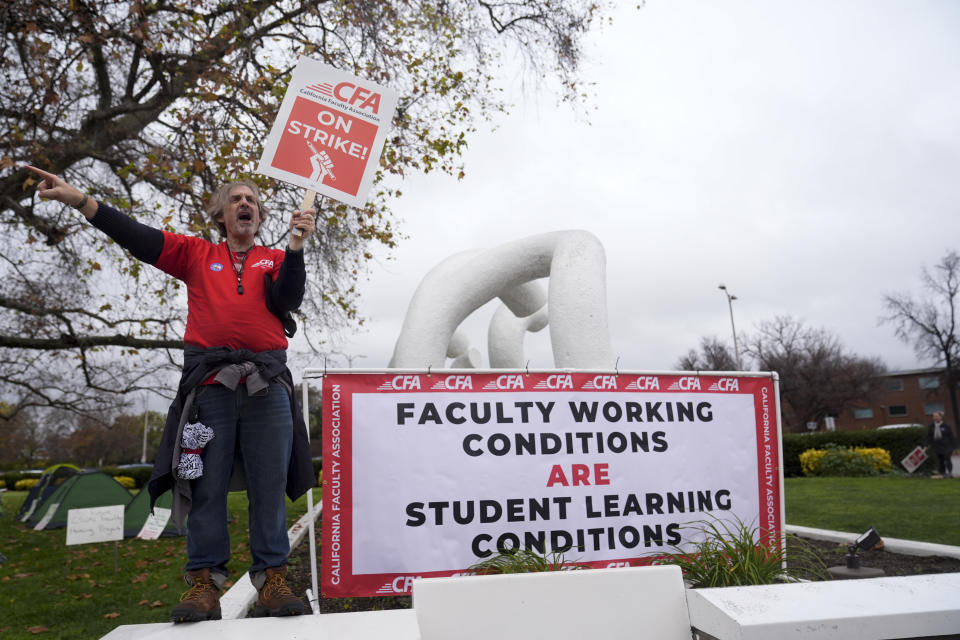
(736, 349)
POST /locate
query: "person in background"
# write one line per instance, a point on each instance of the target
(235, 410)
(940, 439)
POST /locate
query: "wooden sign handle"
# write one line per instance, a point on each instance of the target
(305, 204)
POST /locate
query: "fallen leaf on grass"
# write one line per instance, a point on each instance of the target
(60, 590)
(228, 584)
(84, 596)
(78, 576)
(111, 616)
(143, 602)
(141, 563)
(37, 629)
(140, 578)
(163, 586)
(22, 575)
(155, 604)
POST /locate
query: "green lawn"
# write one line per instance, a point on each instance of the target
(55, 591)
(911, 508)
(50, 590)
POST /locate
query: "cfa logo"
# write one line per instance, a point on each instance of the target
(604, 382)
(400, 383)
(265, 263)
(454, 382)
(400, 584)
(725, 384)
(357, 96)
(687, 383)
(555, 382)
(459, 382)
(615, 565)
(645, 383)
(506, 381)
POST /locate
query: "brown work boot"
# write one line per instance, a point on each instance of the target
(275, 597)
(201, 601)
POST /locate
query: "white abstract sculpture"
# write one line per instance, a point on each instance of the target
(575, 306)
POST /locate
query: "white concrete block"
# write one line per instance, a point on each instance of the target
(889, 608)
(612, 604)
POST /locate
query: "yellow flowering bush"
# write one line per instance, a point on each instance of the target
(810, 461)
(845, 461)
(25, 485)
(879, 458)
(126, 481)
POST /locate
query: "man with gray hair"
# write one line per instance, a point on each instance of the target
(235, 391)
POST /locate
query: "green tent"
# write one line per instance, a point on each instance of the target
(50, 479)
(139, 508)
(86, 489)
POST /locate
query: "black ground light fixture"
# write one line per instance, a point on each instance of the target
(867, 540)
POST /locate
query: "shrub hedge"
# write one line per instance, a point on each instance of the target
(899, 442)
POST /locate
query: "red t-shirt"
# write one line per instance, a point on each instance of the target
(218, 316)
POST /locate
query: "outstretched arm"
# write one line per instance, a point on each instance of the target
(52, 187)
(143, 242)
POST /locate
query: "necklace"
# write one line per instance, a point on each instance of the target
(238, 257)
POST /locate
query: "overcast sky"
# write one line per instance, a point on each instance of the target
(806, 154)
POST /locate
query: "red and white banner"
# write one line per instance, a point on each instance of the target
(427, 474)
(329, 132)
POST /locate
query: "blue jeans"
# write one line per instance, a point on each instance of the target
(260, 430)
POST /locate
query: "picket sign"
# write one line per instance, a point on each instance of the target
(97, 524)
(914, 459)
(329, 133)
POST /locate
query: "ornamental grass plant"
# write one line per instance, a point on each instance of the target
(521, 561)
(732, 553)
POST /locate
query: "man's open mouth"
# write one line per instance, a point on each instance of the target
(245, 215)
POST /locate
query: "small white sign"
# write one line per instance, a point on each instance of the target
(914, 459)
(95, 524)
(52, 509)
(155, 524)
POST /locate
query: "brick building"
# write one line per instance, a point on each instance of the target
(906, 397)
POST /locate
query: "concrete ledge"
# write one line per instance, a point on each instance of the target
(893, 545)
(895, 607)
